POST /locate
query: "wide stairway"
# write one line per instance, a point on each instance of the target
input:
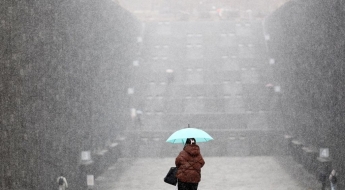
(212, 75)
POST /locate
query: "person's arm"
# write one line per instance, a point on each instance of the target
(178, 161)
(202, 161)
(65, 182)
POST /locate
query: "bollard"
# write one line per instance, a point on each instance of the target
(85, 168)
(287, 147)
(297, 150)
(324, 165)
(100, 162)
(309, 157)
(114, 152)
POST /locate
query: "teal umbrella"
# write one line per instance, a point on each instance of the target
(181, 136)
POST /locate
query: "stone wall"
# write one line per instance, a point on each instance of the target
(305, 40)
(63, 80)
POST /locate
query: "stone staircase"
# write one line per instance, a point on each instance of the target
(209, 74)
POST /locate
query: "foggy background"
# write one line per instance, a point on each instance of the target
(86, 83)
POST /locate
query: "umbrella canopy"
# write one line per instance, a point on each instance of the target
(181, 136)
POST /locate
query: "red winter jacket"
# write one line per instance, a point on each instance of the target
(189, 163)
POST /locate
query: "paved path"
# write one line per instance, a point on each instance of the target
(231, 173)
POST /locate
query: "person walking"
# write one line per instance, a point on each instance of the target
(333, 180)
(61, 180)
(189, 163)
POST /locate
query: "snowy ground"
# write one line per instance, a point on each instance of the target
(235, 173)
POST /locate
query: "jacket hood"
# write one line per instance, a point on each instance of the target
(192, 149)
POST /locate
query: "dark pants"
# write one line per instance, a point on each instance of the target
(187, 186)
